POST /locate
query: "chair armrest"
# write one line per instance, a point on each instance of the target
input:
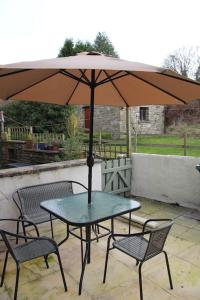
(38, 238)
(154, 220)
(23, 221)
(79, 183)
(132, 234)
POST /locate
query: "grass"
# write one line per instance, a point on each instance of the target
(162, 140)
(173, 140)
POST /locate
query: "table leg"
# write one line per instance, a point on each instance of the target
(86, 257)
(88, 242)
(66, 238)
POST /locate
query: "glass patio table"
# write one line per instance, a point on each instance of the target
(74, 210)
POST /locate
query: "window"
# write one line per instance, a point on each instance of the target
(144, 114)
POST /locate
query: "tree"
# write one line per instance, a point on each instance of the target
(43, 117)
(103, 45)
(67, 49)
(70, 48)
(183, 61)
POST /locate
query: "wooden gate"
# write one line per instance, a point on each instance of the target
(116, 175)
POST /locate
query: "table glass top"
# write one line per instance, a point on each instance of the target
(74, 209)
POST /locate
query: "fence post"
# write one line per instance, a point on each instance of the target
(100, 138)
(128, 132)
(185, 143)
(135, 142)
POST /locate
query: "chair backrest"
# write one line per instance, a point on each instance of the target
(157, 240)
(30, 197)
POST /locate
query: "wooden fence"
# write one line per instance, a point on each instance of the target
(22, 133)
(116, 175)
(107, 151)
(48, 137)
(18, 133)
(113, 150)
(185, 145)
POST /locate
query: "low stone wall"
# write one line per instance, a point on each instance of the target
(17, 151)
(11, 179)
(167, 178)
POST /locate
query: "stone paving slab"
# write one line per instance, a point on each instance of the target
(183, 246)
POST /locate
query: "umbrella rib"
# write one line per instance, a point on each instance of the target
(70, 97)
(98, 75)
(15, 72)
(157, 87)
(83, 75)
(110, 78)
(179, 78)
(31, 85)
(64, 72)
(118, 91)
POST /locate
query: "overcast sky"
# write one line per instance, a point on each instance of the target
(140, 30)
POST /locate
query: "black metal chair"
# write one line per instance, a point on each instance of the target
(142, 246)
(28, 199)
(32, 247)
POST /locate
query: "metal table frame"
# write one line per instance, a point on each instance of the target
(75, 210)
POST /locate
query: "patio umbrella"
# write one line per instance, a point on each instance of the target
(94, 79)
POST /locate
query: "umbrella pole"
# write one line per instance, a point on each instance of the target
(90, 158)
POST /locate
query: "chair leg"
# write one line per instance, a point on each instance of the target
(46, 261)
(168, 270)
(4, 269)
(129, 224)
(140, 281)
(24, 230)
(106, 261)
(62, 272)
(16, 282)
(17, 230)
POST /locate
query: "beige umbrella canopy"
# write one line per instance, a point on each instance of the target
(67, 80)
(94, 79)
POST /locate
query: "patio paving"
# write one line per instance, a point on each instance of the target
(183, 246)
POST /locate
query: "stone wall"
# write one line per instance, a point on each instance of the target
(155, 125)
(16, 151)
(113, 119)
(106, 118)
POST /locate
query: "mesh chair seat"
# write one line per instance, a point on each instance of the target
(39, 216)
(33, 249)
(134, 246)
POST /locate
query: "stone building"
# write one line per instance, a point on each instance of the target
(144, 119)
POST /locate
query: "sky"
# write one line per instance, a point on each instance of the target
(146, 31)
